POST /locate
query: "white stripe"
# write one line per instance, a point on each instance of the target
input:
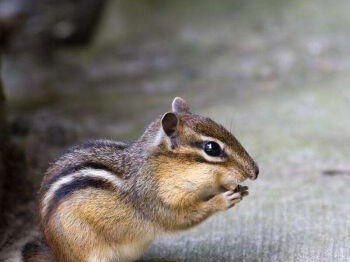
(88, 172)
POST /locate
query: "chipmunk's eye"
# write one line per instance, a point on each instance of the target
(212, 148)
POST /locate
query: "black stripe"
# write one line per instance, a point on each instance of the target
(197, 144)
(70, 170)
(77, 184)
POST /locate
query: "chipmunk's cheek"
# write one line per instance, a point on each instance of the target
(228, 181)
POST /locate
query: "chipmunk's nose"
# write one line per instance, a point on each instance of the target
(255, 172)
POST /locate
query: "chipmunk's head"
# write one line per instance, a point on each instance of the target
(195, 153)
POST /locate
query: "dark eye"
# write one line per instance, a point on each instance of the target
(212, 148)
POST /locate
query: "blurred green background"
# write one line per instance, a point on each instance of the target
(276, 73)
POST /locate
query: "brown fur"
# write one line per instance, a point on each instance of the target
(165, 185)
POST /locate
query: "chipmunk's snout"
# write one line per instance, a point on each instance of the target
(255, 172)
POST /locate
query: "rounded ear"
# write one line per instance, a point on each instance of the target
(169, 123)
(180, 106)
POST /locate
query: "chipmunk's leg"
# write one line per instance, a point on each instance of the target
(196, 213)
(70, 238)
(96, 225)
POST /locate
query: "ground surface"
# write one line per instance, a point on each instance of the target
(277, 74)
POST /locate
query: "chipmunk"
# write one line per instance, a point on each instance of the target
(107, 201)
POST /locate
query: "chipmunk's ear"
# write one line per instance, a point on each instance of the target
(169, 123)
(180, 106)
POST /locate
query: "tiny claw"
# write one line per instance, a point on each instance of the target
(241, 188)
(244, 193)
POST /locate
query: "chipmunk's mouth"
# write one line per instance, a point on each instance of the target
(232, 187)
(232, 182)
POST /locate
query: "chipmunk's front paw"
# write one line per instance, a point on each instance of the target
(228, 199)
